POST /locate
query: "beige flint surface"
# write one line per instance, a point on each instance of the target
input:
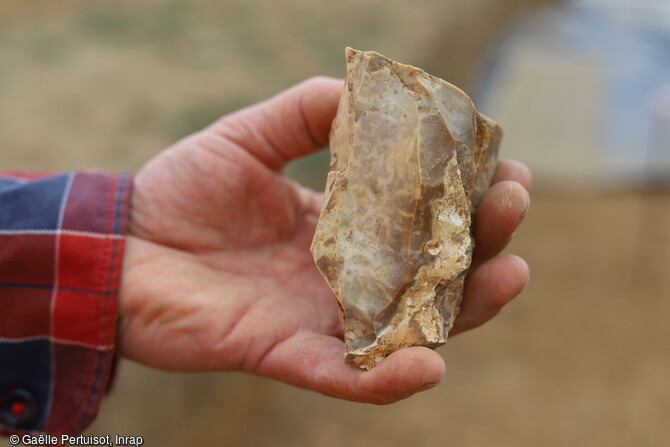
(410, 160)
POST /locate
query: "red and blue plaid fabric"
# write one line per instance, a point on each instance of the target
(61, 252)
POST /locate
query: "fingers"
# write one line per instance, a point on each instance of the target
(499, 213)
(489, 287)
(315, 361)
(293, 123)
(494, 281)
(512, 170)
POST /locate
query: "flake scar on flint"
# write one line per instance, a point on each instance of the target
(410, 160)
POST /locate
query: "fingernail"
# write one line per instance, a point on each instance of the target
(526, 205)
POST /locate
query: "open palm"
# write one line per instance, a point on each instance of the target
(218, 274)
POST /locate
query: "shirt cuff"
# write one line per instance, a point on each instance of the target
(62, 238)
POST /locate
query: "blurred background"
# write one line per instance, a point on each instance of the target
(583, 91)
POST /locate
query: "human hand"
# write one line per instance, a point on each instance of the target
(218, 274)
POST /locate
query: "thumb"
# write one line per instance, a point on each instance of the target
(294, 123)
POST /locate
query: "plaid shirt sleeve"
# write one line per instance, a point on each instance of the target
(61, 251)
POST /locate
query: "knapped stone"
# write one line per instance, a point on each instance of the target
(410, 160)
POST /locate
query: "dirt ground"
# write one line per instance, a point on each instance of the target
(580, 359)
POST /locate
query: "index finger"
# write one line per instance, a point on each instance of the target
(512, 170)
